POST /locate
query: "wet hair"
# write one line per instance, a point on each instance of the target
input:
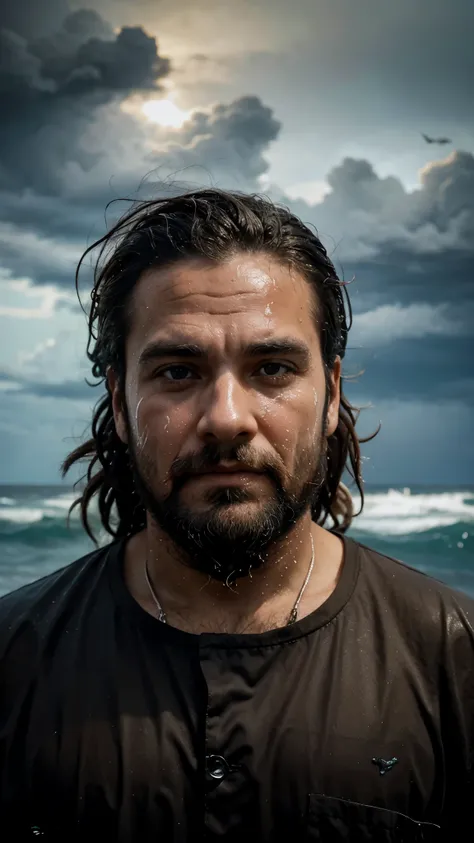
(213, 225)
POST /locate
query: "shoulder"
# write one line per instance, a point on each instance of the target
(420, 602)
(35, 622)
(39, 604)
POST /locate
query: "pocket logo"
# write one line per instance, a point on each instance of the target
(384, 766)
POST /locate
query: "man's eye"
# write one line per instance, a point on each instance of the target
(275, 370)
(175, 373)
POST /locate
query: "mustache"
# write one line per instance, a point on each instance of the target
(214, 454)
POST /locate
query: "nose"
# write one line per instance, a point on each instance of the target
(227, 413)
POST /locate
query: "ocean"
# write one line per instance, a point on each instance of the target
(431, 529)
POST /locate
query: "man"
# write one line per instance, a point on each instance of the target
(228, 668)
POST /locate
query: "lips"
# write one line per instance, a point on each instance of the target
(237, 469)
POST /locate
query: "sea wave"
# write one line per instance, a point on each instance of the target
(44, 521)
(393, 512)
(399, 512)
(430, 530)
(30, 512)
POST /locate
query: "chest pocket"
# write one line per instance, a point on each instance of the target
(333, 820)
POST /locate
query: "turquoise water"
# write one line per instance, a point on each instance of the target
(429, 528)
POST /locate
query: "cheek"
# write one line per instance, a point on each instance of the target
(160, 429)
(292, 421)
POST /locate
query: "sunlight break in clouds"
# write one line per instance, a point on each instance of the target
(165, 113)
(312, 192)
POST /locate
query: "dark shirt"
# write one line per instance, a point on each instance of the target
(116, 727)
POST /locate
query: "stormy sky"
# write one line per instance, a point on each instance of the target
(318, 103)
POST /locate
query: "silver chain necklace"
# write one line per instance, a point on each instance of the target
(293, 613)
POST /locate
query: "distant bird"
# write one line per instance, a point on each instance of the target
(436, 140)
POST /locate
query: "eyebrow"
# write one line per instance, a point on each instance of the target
(160, 349)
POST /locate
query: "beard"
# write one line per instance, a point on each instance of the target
(225, 541)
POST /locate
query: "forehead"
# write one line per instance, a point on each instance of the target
(246, 295)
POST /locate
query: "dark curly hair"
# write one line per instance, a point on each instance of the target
(212, 224)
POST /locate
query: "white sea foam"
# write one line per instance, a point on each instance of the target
(7, 502)
(39, 509)
(32, 510)
(391, 513)
(398, 512)
(63, 502)
(23, 514)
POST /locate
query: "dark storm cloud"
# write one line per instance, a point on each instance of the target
(82, 55)
(395, 274)
(392, 239)
(85, 55)
(227, 140)
(448, 194)
(246, 120)
(370, 215)
(415, 251)
(437, 369)
(399, 245)
(30, 18)
(407, 245)
(26, 255)
(51, 87)
(63, 76)
(62, 217)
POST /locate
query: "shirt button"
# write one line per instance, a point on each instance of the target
(216, 766)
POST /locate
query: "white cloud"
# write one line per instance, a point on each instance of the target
(29, 359)
(393, 322)
(365, 215)
(55, 359)
(47, 298)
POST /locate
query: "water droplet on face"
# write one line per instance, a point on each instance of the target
(136, 412)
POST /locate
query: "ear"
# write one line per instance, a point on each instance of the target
(332, 415)
(118, 401)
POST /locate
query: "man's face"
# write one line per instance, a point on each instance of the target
(225, 409)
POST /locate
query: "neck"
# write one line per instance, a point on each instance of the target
(195, 602)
